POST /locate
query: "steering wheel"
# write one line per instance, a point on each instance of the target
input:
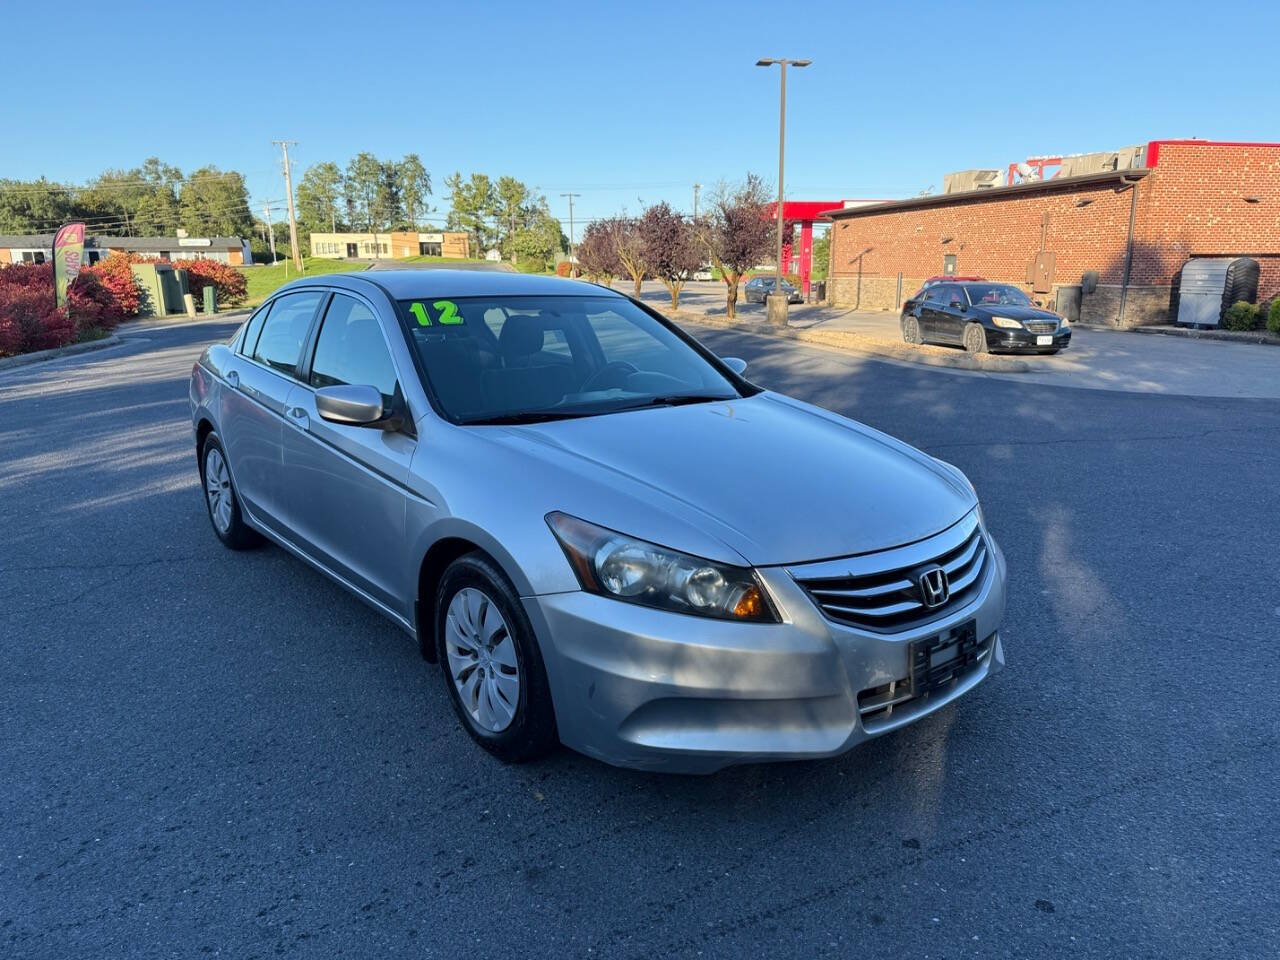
(612, 374)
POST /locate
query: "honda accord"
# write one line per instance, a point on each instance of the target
(603, 534)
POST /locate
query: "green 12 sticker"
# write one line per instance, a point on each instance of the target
(446, 312)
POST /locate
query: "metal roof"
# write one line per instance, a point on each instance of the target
(998, 193)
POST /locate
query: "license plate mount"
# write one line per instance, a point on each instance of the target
(937, 660)
(1044, 340)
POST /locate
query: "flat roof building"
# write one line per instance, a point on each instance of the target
(37, 248)
(1117, 237)
(390, 245)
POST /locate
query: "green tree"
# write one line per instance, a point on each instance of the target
(320, 199)
(139, 202)
(471, 203)
(512, 209)
(34, 206)
(364, 182)
(415, 186)
(821, 257)
(537, 238)
(214, 202)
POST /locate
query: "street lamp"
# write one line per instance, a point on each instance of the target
(779, 314)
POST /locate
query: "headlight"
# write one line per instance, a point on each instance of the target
(616, 565)
(1007, 323)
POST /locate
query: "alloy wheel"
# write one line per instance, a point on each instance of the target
(482, 659)
(217, 489)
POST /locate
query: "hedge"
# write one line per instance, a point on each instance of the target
(100, 297)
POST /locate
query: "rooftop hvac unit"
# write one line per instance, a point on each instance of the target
(1210, 285)
(962, 181)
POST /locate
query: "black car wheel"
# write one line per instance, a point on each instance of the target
(221, 500)
(911, 329)
(975, 338)
(491, 661)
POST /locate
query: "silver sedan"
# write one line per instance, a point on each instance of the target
(603, 534)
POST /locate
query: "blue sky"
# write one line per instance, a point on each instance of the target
(626, 104)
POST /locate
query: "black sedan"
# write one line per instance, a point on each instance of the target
(982, 317)
(757, 288)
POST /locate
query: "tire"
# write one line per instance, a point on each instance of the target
(221, 500)
(975, 338)
(497, 667)
(911, 330)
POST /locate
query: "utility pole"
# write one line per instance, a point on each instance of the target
(696, 188)
(288, 190)
(571, 196)
(778, 309)
(271, 231)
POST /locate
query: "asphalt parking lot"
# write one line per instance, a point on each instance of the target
(218, 754)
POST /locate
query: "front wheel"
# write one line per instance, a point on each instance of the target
(975, 338)
(491, 662)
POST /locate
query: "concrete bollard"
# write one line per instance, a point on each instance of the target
(189, 302)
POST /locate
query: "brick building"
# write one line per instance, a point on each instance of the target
(1184, 199)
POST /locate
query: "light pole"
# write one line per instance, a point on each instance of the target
(778, 301)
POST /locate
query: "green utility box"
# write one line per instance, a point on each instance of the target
(163, 288)
(210, 299)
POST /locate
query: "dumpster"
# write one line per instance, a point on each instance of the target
(1210, 285)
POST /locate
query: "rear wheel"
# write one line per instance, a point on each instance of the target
(975, 338)
(220, 497)
(491, 662)
(911, 329)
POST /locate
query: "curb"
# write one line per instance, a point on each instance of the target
(1222, 336)
(854, 343)
(39, 356)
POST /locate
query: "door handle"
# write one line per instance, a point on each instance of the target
(233, 378)
(299, 416)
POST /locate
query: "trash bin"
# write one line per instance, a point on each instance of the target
(210, 299)
(820, 291)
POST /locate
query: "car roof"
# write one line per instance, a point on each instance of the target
(427, 284)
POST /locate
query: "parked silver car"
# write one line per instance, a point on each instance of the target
(602, 532)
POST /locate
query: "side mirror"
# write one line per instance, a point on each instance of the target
(358, 406)
(1038, 303)
(957, 305)
(736, 364)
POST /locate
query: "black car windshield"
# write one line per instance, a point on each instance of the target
(525, 359)
(982, 294)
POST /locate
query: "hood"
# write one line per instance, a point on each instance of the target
(1014, 312)
(776, 480)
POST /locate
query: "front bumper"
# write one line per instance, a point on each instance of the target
(1024, 341)
(655, 690)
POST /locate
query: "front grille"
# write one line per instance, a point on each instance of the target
(879, 591)
(1041, 326)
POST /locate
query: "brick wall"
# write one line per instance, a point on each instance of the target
(1190, 204)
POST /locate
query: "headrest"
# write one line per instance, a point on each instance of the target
(521, 336)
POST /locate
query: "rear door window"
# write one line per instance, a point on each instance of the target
(285, 330)
(252, 329)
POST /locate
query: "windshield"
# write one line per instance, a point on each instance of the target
(982, 294)
(523, 359)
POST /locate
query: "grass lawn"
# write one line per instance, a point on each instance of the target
(266, 280)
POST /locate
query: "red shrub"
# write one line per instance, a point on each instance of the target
(226, 279)
(28, 318)
(114, 274)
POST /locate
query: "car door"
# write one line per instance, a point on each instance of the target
(949, 314)
(346, 485)
(251, 416)
(930, 302)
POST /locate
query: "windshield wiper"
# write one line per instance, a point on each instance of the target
(673, 400)
(529, 416)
